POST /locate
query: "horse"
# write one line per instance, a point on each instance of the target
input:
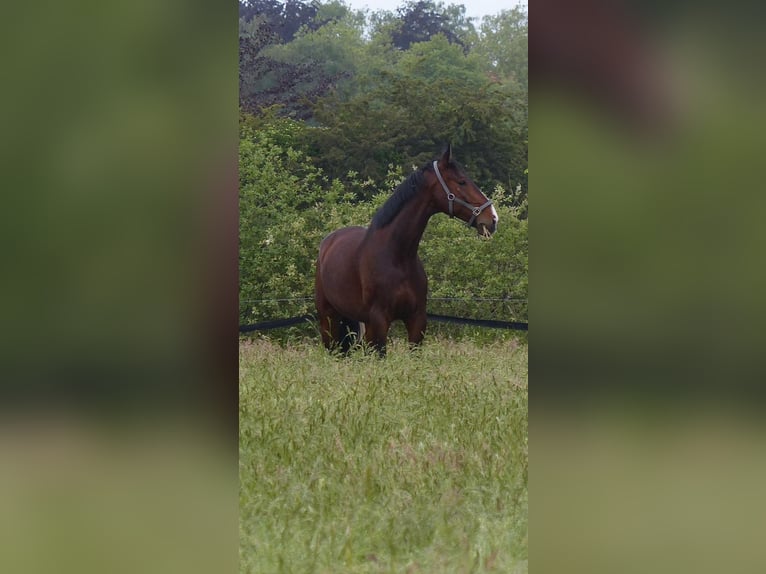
(373, 275)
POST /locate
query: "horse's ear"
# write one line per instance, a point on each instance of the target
(446, 156)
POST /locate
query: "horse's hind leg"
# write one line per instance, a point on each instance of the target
(336, 330)
(349, 334)
(329, 320)
(329, 328)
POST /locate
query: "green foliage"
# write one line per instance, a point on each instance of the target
(431, 94)
(503, 46)
(280, 192)
(284, 58)
(420, 20)
(363, 465)
(460, 264)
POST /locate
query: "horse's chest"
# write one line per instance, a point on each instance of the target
(399, 292)
(406, 303)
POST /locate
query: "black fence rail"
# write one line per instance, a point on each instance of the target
(501, 309)
(505, 313)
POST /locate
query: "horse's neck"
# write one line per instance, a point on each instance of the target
(406, 229)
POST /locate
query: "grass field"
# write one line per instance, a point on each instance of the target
(414, 463)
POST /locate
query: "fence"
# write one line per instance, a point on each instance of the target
(511, 307)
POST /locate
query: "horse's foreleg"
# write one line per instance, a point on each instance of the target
(416, 328)
(376, 332)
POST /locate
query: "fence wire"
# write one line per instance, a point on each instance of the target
(504, 312)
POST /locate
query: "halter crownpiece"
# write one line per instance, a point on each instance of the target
(451, 198)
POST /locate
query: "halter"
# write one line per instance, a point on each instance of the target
(451, 199)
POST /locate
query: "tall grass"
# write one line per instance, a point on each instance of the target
(414, 463)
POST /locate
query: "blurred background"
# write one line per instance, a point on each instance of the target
(118, 293)
(646, 363)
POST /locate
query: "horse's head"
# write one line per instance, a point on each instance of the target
(457, 195)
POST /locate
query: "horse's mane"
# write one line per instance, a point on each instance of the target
(403, 193)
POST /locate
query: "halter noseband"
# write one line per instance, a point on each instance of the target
(451, 198)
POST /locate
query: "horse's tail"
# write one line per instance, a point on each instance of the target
(350, 333)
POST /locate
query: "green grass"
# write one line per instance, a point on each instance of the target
(414, 463)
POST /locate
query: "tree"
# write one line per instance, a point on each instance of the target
(432, 94)
(503, 45)
(294, 74)
(284, 19)
(419, 21)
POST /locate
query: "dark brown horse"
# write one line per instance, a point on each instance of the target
(373, 275)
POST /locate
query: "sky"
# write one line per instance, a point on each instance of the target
(474, 8)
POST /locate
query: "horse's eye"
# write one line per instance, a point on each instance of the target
(461, 182)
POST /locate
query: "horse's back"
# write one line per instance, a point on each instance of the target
(345, 239)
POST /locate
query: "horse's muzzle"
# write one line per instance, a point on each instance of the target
(486, 230)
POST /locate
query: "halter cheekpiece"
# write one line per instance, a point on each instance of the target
(451, 198)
